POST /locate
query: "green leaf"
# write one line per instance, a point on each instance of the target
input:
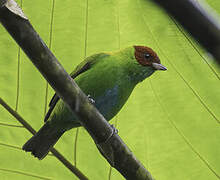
(171, 121)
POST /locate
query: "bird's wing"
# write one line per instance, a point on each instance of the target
(81, 68)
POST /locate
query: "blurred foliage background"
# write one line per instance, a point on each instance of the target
(171, 121)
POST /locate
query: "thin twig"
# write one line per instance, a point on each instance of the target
(56, 153)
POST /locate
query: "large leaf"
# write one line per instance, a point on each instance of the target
(170, 122)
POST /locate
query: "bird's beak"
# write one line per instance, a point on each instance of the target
(158, 66)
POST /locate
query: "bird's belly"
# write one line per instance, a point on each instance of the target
(108, 103)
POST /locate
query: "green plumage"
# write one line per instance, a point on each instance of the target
(109, 78)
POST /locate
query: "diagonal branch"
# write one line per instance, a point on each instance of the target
(108, 142)
(59, 156)
(199, 22)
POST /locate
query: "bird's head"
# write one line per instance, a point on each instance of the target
(147, 62)
(145, 56)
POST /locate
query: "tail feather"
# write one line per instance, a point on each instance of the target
(41, 143)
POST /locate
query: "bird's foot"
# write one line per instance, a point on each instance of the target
(92, 101)
(106, 147)
(115, 131)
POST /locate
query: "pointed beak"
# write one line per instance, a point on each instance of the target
(158, 66)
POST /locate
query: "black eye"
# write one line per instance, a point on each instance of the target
(147, 56)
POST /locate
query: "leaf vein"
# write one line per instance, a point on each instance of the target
(85, 53)
(194, 47)
(11, 125)
(181, 76)
(50, 45)
(183, 136)
(23, 173)
(194, 92)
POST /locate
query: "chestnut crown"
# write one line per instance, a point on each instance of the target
(147, 57)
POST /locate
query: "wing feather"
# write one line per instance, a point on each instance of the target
(81, 68)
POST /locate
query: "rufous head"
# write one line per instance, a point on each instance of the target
(145, 56)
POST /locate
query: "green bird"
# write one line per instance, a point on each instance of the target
(109, 78)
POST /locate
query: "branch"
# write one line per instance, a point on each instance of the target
(108, 142)
(59, 156)
(197, 21)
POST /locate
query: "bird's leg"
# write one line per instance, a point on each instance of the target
(106, 148)
(92, 101)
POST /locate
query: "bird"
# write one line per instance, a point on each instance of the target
(108, 79)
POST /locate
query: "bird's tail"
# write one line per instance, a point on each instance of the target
(41, 143)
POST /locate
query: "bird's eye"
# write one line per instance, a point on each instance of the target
(147, 56)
